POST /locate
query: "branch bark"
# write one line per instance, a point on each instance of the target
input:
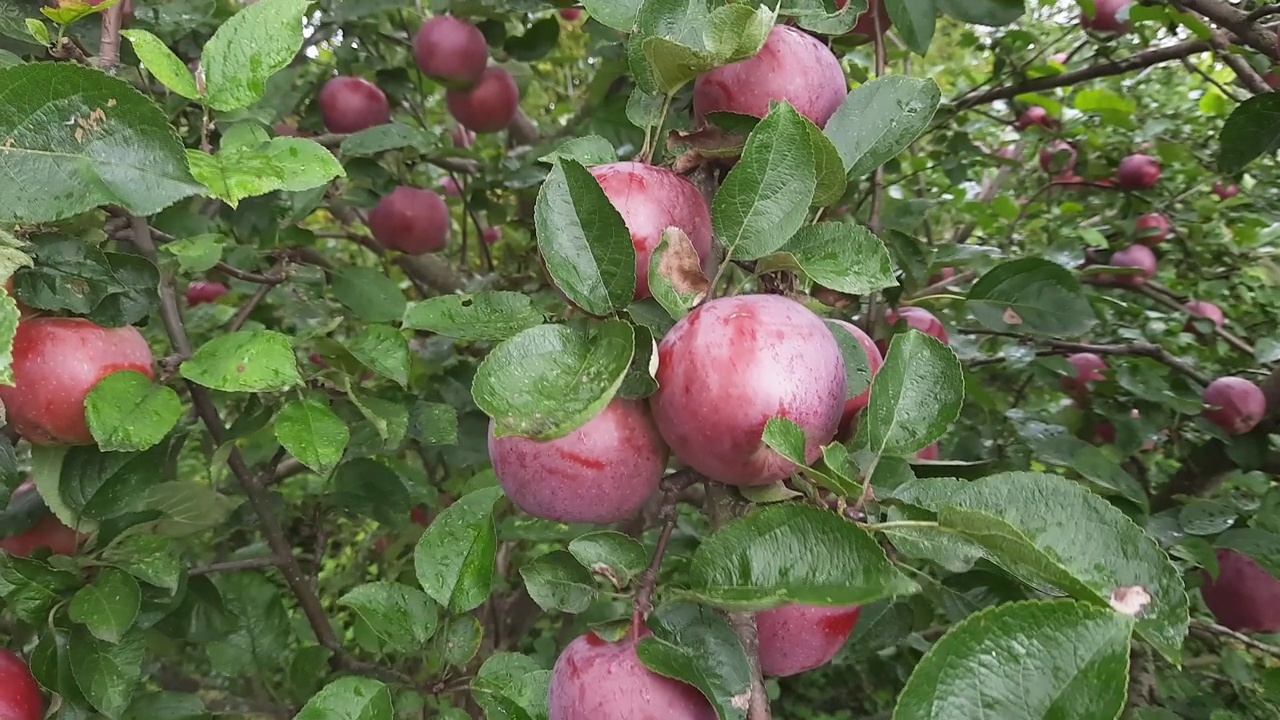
(1236, 22)
(1141, 349)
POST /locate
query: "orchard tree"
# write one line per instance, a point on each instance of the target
(639, 359)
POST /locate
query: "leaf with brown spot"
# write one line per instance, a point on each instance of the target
(676, 278)
(1011, 317)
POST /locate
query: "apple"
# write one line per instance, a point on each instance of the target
(1008, 152)
(875, 360)
(729, 366)
(1272, 79)
(491, 235)
(351, 104)
(19, 694)
(418, 516)
(1151, 229)
(602, 472)
(943, 275)
(1134, 256)
(1234, 404)
(1244, 596)
(1058, 157)
(288, 129)
(1225, 192)
(1203, 309)
(917, 318)
(450, 187)
(650, 199)
(1060, 58)
(411, 220)
(795, 638)
(866, 25)
(571, 14)
(928, 453)
(1035, 115)
(451, 51)
(204, 291)
(1088, 368)
(793, 66)
(1109, 16)
(489, 106)
(56, 362)
(1138, 172)
(48, 532)
(594, 679)
(462, 137)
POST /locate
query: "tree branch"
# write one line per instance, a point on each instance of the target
(1213, 629)
(672, 486)
(1236, 22)
(109, 49)
(234, 565)
(1141, 349)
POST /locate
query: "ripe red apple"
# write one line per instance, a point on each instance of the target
(854, 405)
(650, 200)
(1151, 229)
(917, 318)
(1244, 596)
(733, 363)
(793, 66)
(795, 638)
(571, 14)
(1134, 256)
(489, 106)
(418, 516)
(1235, 404)
(866, 25)
(1272, 79)
(1203, 309)
(1035, 115)
(492, 235)
(928, 453)
(1088, 368)
(19, 694)
(595, 679)
(602, 472)
(462, 137)
(1138, 172)
(204, 291)
(1058, 157)
(1225, 192)
(451, 51)
(351, 104)
(411, 220)
(1107, 17)
(56, 362)
(450, 187)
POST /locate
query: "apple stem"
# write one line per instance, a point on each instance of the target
(672, 485)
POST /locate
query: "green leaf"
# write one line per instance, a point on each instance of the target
(766, 196)
(694, 644)
(248, 49)
(1103, 100)
(1056, 659)
(878, 120)
(992, 13)
(616, 556)
(370, 294)
(384, 350)
(588, 150)
(583, 240)
(786, 438)
(434, 423)
(676, 278)
(109, 606)
(245, 361)
(350, 698)
(845, 257)
(196, 254)
(364, 486)
(558, 583)
(391, 136)
(914, 22)
(150, 558)
(188, 507)
(69, 11)
(8, 327)
(312, 433)
(282, 163)
(827, 163)
(617, 14)
(38, 31)
(1068, 451)
(792, 553)
(1262, 546)
(1253, 130)
(1031, 296)
(67, 131)
(455, 556)
(509, 686)
(915, 396)
(162, 63)
(107, 673)
(403, 617)
(485, 316)
(389, 418)
(857, 366)
(126, 411)
(104, 485)
(549, 380)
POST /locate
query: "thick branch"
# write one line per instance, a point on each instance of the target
(1236, 22)
(109, 49)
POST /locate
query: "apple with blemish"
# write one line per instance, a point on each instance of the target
(1135, 256)
(733, 363)
(1109, 16)
(792, 65)
(875, 360)
(1151, 229)
(204, 291)
(594, 679)
(1203, 309)
(1088, 368)
(798, 637)
(1234, 404)
(487, 107)
(19, 694)
(602, 472)
(1243, 597)
(411, 220)
(451, 51)
(1138, 172)
(351, 104)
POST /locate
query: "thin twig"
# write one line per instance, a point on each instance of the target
(1140, 349)
(256, 563)
(672, 486)
(1154, 292)
(1210, 628)
(1236, 22)
(256, 299)
(247, 276)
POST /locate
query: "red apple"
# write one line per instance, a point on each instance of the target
(351, 104)
(854, 405)
(204, 291)
(917, 318)
(56, 362)
(1138, 172)
(411, 220)
(1060, 58)
(793, 66)
(490, 106)
(462, 137)
(418, 516)
(602, 472)
(1235, 404)
(19, 694)
(595, 679)
(1203, 309)
(651, 199)
(450, 187)
(1272, 79)
(571, 14)
(1088, 368)
(795, 638)
(1151, 229)
(928, 453)
(1225, 192)
(1008, 152)
(1035, 115)
(451, 51)
(1134, 256)
(491, 235)
(866, 25)
(1244, 596)
(1058, 157)
(287, 129)
(732, 364)
(1109, 16)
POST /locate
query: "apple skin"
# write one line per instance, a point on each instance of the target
(795, 638)
(411, 220)
(1058, 157)
(571, 14)
(351, 104)
(1152, 229)
(917, 318)
(943, 275)
(1134, 256)
(733, 363)
(451, 51)
(793, 66)
(450, 187)
(1235, 404)
(1203, 309)
(462, 137)
(928, 453)
(1060, 58)
(491, 235)
(875, 360)
(1225, 192)
(866, 25)
(1138, 172)
(19, 694)
(1035, 115)
(1088, 368)
(1244, 597)
(489, 106)
(594, 679)
(204, 291)
(1105, 17)
(602, 472)
(56, 362)
(650, 199)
